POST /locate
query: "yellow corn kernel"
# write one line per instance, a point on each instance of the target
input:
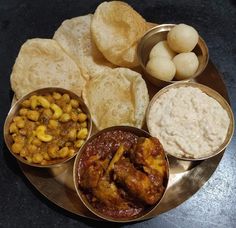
(52, 150)
(65, 117)
(49, 98)
(17, 119)
(13, 128)
(66, 98)
(46, 156)
(32, 149)
(20, 123)
(67, 108)
(23, 111)
(33, 115)
(72, 134)
(14, 135)
(18, 138)
(79, 143)
(36, 142)
(64, 152)
(57, 111)
(82, 117)
(30, 139)
(43, 102)
(74, 103)
(34, 102)
(71, 152)
(37, 158)
(47, 112)
(17, 147)
(43, 162)
(53, 124)
(41, 134)
(82, 134)
(33, 97)
(29, 159)
(56, 95)
(23, 152)
(25, 104)
(83, 124)
(74, 116)
(23, 131)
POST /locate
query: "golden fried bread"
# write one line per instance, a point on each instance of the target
(116, 29)
(43, 63)
(75, 38)
(118, 97)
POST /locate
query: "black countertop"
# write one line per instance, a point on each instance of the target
(214, 205)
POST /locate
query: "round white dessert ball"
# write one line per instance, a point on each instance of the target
(161, 68)
(182, 38)
(186, 65)
(162, 49)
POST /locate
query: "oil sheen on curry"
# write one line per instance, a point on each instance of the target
(122, 175)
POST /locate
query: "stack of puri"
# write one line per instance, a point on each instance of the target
(93, 56)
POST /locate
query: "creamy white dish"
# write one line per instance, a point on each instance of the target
(188, 122)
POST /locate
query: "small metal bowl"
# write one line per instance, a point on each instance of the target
(14, 111)
(144, 214)
(210, 92)
(157, 34)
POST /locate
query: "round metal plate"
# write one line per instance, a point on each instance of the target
(186, 177)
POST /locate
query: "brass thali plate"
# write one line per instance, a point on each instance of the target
(186, 177)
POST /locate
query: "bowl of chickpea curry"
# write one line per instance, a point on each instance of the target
(47, 127)
(121, 173)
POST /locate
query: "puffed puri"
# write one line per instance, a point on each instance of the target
(118, 97)
(43, 63)
(116, 29)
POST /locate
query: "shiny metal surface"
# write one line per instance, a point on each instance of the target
(210, 92)
(159, 33)
(186, 177)
(15, 109)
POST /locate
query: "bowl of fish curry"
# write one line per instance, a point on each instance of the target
(121, 174)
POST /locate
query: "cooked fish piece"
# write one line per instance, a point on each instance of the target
(107, 193)
(137, 183)
(91, 176)
(149, 153)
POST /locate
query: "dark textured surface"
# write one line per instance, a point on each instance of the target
(212, 206)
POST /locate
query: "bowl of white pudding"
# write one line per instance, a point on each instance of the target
(192, 121)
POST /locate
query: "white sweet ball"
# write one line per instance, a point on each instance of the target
(162, 49)
(182, 38)
(186, 65)
(161, 68)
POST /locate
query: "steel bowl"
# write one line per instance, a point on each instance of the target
(210, 92)
(14, 111)
(157, 34)
(143, 215)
